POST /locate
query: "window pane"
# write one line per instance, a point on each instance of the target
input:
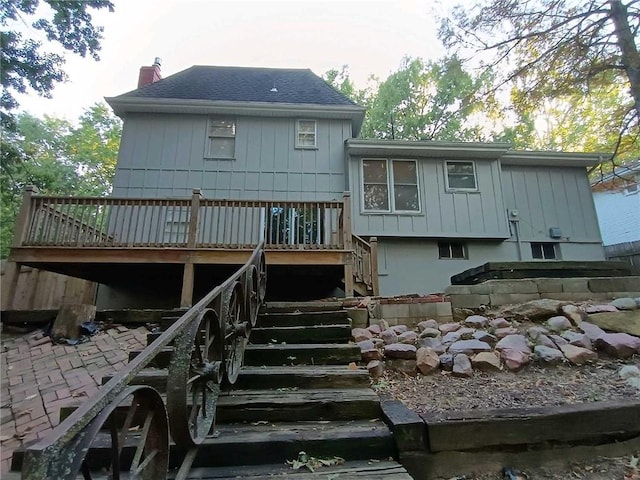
(223, 128)
(375, 171)
(457, 250)
(406, 197)
(308, 126)
(460, 168)
(376, 197)
(404, 172)
(222, 147)
(536, 250)
(462, 181)
(548, 250)
(306, 139)
(443, 250)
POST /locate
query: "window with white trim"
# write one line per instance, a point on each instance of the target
(221, 138)
(453, 250)
(306, 133)
(544, 251)
(460, 175)
(390, 185)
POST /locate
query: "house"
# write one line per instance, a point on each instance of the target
(617, 199)
(274, 154)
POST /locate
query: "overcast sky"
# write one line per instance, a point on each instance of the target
(371, 36)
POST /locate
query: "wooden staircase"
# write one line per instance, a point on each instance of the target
(295, 393)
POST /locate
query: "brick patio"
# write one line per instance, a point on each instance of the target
(38, 377)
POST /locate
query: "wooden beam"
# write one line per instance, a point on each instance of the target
(186, 298)
(348, 244)
(375, 280)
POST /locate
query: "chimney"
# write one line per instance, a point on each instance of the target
(149, 75)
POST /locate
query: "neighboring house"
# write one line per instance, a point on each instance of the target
(273, 153)
(617, 199)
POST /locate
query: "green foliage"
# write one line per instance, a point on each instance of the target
(23, 61)
(572, 65)
(56, 157)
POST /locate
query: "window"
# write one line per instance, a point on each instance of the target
(461, 176)
(390, 189)
(221, 138)
(306, 134)
(452, 250)
(543, 251)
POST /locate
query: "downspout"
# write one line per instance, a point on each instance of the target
(515, 222)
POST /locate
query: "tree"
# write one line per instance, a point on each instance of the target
(23, 61)
(427, 101)
(566, 49)
(58, 158)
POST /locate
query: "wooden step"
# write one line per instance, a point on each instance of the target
(319, 376)
(302, 354)
(299, 319)
(306, 334)
(285, 404)
(275, 307)
(295, 405)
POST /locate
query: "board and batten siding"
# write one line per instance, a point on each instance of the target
(546, 197)
(444, 214)
(163, 156)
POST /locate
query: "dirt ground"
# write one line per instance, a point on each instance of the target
(533, 386)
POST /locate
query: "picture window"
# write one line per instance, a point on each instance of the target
(390, 185)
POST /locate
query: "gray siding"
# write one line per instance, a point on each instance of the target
(551, 197)
(162, 155)
(445, 214)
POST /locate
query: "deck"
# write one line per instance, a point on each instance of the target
(99, 239)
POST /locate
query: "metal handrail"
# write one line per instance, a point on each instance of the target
(42, 460)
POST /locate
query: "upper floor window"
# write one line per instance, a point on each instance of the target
(460, 175)
(221, 138)
(390, 185)
(306, 134)
(544, 251)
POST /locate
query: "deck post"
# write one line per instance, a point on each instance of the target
(347, 241)
(186, 298)
(193, 218)
(12, 272)
(373, 241)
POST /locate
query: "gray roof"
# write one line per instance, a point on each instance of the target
(243, 84)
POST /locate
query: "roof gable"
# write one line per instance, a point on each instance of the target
(243, 84)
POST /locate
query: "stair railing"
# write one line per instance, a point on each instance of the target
(365, 263)
(208, 341)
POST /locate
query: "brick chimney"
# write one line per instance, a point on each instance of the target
(149, 75)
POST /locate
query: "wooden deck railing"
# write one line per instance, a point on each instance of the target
(365, 263)
(110, 222)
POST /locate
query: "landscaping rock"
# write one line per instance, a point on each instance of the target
(408, 337)
(558, 323)
(536, 310)
(427, 360)
(374, 329)
(366, 345)
(500, 323)
(558, 340)
(574, 313)
(600, 308)
(548, 355)
(514, 342)
(624, 303)
(546, 341)
(469, 347)
(405, 366)
(373, 354)
(446, 362)
(619, 345)
(514, 360)
(430, 333)
(578, 339)
(433, 343)
(427, 324)
(535, 331)
(400, 350)
(623, 322)
(476, 321)
(450, 337)
(378, 342)
(465, 333)
(486, 361)
(629, 371)
(376, 368)
(485, 337)
(360, 334)
(389, 337)
(578, 355)
(592, 331)
(449, 327)
(399, 329)
(506, 331)
(462, 366)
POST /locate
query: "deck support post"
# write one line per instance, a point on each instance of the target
(373, 241)
(12, 272)
(186, 298)
(348, 244)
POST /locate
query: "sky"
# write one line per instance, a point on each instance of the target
(370, 36)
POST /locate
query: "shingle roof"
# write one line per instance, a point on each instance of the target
(243, 84)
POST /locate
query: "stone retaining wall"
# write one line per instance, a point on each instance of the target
(494, 293)
(400, 310)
